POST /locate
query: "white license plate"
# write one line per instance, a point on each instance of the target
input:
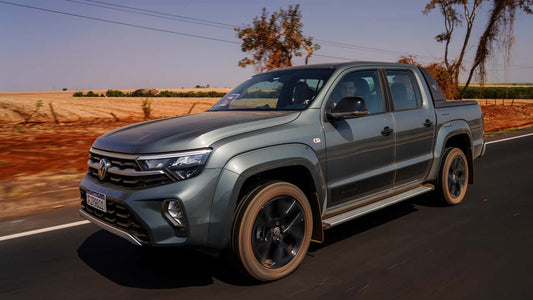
(96, 200)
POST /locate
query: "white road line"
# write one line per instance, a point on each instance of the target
(58, 227)
(42, 230)
(508, 139)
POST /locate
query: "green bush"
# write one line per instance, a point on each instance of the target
(114, 93)
(150, 93)
(137, 93)
(475, 92)
(191, 94)
(167, 94)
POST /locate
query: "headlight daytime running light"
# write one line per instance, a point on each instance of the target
(183, 165)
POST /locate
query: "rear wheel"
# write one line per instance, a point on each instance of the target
(273, 230)
(453, 179)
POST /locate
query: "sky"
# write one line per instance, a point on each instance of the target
(174, 44)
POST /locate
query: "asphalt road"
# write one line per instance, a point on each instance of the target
(481, 249)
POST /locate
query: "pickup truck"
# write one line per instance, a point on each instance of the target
(281, 158)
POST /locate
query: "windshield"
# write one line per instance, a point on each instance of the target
(282, 90)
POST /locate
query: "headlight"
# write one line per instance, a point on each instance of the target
(182, 165)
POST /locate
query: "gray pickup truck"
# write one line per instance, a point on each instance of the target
(282, 157)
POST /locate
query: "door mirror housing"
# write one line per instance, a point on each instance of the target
(348, 107)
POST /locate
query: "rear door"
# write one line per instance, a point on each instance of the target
(360, 151)
(414, 123)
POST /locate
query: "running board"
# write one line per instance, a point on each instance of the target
(355, 213)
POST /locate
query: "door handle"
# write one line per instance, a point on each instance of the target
(428, 123)
(386, 131)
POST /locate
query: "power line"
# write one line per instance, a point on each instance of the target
(210, 23)
(162, 13)
(174, 18)
(232, 27)
(205, 22)
(122, 23)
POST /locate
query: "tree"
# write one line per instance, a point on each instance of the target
(451, 11)
(500, 24)
(274, 39)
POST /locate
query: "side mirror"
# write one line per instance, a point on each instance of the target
(349, 107)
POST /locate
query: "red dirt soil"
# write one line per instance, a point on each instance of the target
(499, 117)
(34, 148)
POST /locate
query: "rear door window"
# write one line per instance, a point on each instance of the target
(404, 89)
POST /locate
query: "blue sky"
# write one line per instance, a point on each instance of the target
(47, 51)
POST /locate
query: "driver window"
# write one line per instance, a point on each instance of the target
(363, 84)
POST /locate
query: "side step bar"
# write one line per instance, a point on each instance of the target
(355, 213)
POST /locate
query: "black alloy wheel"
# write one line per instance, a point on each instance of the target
(278, 232)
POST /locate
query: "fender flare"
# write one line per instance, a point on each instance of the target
(445, 132)
(245, 165)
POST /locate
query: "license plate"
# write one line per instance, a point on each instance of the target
(96, 200)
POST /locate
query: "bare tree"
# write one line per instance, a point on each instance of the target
(274, 39)
(451, 11)
(500, 25)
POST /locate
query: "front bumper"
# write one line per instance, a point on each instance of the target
(122, 233)
(145, 210)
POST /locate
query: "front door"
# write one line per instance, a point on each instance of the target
(360, 151)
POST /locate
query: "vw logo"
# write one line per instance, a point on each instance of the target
(102, 168)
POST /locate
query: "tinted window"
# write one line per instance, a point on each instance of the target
(363, 84)
(278, 90)
(404, 89)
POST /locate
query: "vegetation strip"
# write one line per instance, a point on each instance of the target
(152, 93)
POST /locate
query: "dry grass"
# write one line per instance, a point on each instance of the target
(15, 106)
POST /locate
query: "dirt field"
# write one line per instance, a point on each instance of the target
(43, 162)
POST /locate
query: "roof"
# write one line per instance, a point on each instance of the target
(342, 64)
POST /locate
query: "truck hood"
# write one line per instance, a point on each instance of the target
(188, 132)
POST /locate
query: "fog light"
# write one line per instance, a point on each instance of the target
(175, 213)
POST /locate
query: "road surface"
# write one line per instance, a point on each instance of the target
(481, 249)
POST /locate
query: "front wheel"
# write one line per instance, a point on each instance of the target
(273, 230)
(453, 179)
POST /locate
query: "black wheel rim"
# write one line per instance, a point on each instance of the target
(456, 177)
(278, 232)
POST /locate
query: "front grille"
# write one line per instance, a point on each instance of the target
(117, 215)
(118, 162)
(126, 172)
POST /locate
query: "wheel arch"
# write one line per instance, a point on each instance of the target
(297, 164)
(455, 134)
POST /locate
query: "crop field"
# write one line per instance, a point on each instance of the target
(39, 107)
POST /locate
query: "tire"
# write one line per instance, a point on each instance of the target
(272, 230)
(453, 177)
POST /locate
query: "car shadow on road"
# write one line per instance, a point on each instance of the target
(364, 223)
(154, 268)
